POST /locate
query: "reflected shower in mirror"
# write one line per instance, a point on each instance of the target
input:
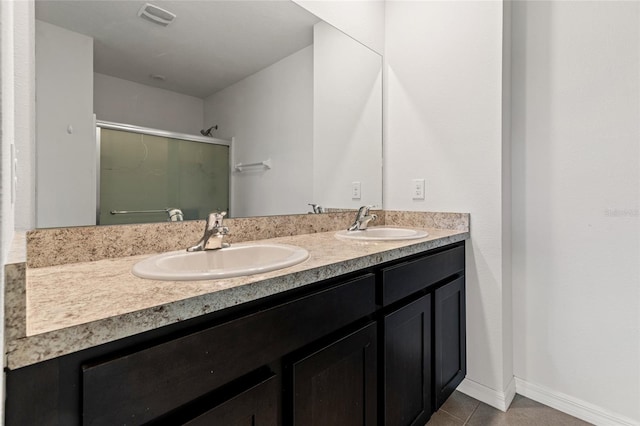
(208, 131)
(143, 171)
(298, 102)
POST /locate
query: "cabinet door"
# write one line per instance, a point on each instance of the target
(257, 406)
(450, 339)
(337, 384)
(407, 364)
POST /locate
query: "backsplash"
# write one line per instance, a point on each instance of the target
(58, 246)
(437, 220)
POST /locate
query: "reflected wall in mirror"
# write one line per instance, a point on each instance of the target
(268, 76)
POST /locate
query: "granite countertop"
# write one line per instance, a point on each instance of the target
(75, 306)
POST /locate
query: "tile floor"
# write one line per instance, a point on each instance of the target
(461, 409)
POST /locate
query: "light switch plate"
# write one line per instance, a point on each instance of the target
(355, 191)
(417, 189)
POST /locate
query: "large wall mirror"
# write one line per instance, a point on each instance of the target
(255, 107)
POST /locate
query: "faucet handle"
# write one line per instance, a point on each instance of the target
(213, 233)
(362, 219)
(214, 220)
(364, 210)
(317, 208)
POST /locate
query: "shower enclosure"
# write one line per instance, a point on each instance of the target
(145, 175)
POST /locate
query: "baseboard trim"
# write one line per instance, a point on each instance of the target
(570, 405)
(492, 397)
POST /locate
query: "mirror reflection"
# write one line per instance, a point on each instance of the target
(255, 107)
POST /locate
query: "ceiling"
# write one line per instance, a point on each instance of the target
(209, 46)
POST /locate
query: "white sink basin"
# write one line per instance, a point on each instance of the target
(237, 260)
(383, 234)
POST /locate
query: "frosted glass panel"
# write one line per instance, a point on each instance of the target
(143, 172)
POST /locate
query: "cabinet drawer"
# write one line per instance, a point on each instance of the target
(406, 278)
(139, 387)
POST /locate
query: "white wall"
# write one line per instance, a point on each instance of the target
(362, 20)
(347, 120)
(24, 61)
(65, 133)
(443, 123)
(576, 195)
(506, 218)
(270, 115)
(16, 114)
(123, 101)
(7, 115)
(7, 129)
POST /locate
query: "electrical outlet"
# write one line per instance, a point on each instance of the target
(417, 189)
(355, 190)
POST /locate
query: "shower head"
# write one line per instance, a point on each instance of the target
(208, 131)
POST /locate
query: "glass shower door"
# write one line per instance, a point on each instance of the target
(145, 173)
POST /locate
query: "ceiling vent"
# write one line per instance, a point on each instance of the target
(156, 14)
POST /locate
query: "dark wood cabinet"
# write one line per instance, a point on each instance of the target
(148, 383)
(383, 346)
(424, 356)
(257, 406)
(337, 384)
(409, 277)
(450, 363)
(407, 364)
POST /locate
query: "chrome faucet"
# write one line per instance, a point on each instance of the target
(214, 232)
(317, 208)
(362, 219)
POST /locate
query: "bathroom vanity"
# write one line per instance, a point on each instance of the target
(380, 341)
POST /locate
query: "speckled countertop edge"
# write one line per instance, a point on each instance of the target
(54, 332)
